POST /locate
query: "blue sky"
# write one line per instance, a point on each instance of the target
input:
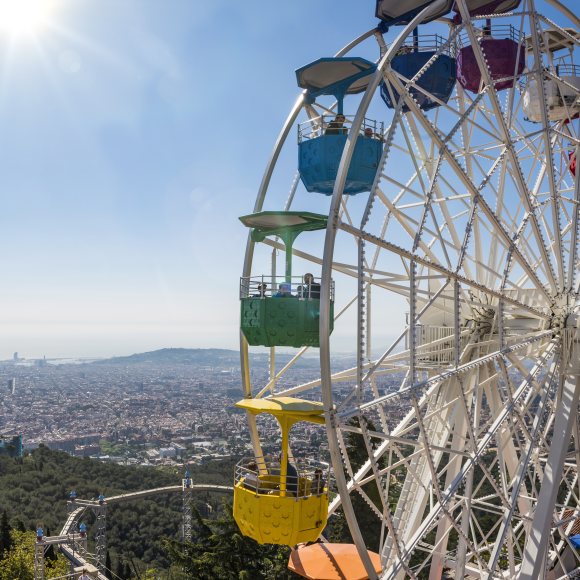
(133, 133)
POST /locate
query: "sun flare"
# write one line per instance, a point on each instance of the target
(19, 17)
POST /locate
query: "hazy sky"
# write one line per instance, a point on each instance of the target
(133, 133)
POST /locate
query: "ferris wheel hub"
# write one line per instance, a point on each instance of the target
(562, 310)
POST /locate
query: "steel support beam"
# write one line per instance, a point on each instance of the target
(39, 561)
(101, 536)
(566, 415)
(187, 514)
(438, 268)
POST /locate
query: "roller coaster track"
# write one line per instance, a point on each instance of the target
(69, 527)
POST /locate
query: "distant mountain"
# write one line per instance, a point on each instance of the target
(196, 356)
(219, 357)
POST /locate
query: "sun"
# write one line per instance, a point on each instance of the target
(20, 17)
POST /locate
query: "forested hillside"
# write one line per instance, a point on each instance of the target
(145, 533)
(34, 490)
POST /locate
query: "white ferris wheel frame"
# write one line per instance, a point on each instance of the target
(541, 382)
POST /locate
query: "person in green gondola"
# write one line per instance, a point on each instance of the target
(284, 290)
(310, 288)
(262, 288)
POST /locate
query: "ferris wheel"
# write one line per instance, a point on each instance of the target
(433, 229)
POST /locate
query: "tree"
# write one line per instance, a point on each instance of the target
(219, 550)
(18, 563)
(108, 565)
(49, 554)
(127, 571)
(120, 573)
(5, 539)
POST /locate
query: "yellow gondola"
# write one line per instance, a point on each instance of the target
(271, 505)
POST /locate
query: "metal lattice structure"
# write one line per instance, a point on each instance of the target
(39, 570)
(100, 512)
(187, 498)
(73, 545)
(469, 415)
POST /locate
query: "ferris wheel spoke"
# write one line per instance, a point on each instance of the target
(519, 477)
(410, 226)
(483, 443)
(436, 267)
(454, 164)
(394, 344)
(506, 138)
(438, 177)
(445, 374)
(447, 511)
(447, 517)
(573, 264)
(549, 157)
(565, 415)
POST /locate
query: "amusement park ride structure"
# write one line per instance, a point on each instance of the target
(461, 206)
(73, 536)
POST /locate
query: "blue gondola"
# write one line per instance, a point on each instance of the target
(321, 141)
(318, 161)
(438, 79)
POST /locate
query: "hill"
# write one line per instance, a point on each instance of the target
(173, 356)
(215, 357)
(34, 490)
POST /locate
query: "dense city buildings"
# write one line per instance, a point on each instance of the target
(168, 407)
(161, 408)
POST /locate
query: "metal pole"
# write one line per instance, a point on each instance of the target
(284, 456)
(186, 511)
(101, 536)
(534, 556)
(39, 561)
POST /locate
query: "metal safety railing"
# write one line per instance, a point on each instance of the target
(330, 125)
(264, 476)
(282, 287)
(566, 70)
(425, 43)
(495, 32)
